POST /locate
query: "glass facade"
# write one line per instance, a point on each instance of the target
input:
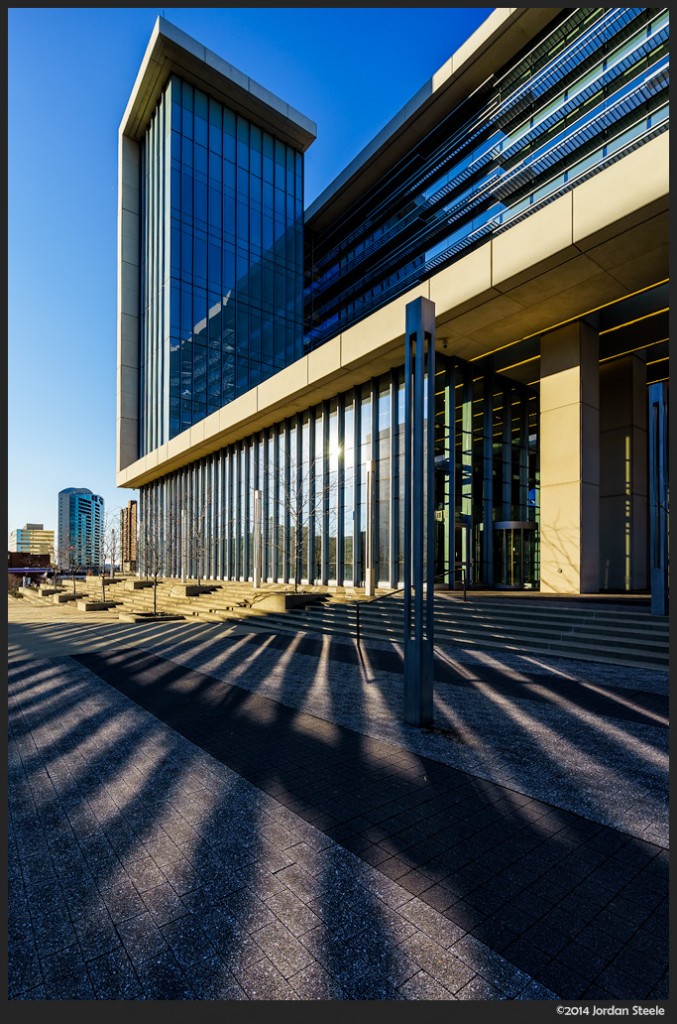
(313, 488)
(222, 266)
(587, 93)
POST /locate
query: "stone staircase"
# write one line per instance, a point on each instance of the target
(222, 601)
(588, 629)
(217, 601)
(600, 629)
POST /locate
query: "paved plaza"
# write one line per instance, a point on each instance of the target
(204, 812)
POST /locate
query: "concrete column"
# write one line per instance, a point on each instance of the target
(623, 503)
(569, 460)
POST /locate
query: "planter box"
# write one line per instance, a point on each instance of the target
(138, 584)
(61, 598)
(95, 606)
(191, 589)
(283, 602)
(148, 617)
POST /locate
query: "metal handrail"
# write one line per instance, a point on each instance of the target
(400, 590)
(371, 600)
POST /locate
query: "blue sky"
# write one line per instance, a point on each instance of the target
(70, 73)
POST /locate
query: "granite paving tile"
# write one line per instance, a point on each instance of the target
(113, 976)
(283, 949)
(162, 977)
(446, 968)
(315, 983)
(262, 980)
(423, 986)
(162, 902)
(96, 933)
(211, 979)
(141, 936)
(65, 975)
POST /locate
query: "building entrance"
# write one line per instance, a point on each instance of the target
(515, 555)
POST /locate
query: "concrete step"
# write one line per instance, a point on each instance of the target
(578, 632)
(582, 639)
(608, 655)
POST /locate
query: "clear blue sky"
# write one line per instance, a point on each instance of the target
(70, 73)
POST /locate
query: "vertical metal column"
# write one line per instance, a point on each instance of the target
(340, 492)
(369, 570)
(257, 539)
(419, 511)
(487, 481)
(392, 492)
(450, 479)
(658, 496)
(184, 573)
(358, 554)
(312, 497)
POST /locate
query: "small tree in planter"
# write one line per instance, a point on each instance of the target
(196, 541)
(110, 546)
(72, 563)
(155, 547)
(306, 499)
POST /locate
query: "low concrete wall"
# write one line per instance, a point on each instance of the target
(192, 589)
(147, 617)
(282, 602)
(95, 606)
(138, 584)
(61, 598)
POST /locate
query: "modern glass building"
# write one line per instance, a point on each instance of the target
(80, 528)
(261, 349)
(222, 233)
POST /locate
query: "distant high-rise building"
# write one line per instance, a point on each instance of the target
(128, 535)
(80, 528)
(32, 538)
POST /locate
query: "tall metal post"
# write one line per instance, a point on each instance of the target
(369, 570)
(658, 496)
(257, 552)
(184, 552)
(419, 511)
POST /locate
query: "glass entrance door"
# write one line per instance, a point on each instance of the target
(515, 555)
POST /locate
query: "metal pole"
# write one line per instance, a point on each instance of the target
(658, 496)
(419, 512)
(183, 545)
(257, 539)
(370, 572)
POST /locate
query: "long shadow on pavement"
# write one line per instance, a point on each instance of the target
(578, 906)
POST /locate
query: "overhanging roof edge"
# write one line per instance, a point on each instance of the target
(170, 51)
(490, 34)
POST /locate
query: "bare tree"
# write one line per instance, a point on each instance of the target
(156, 547)
(197, 540)
(71, 561)
(303, 505)
(110, 546)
